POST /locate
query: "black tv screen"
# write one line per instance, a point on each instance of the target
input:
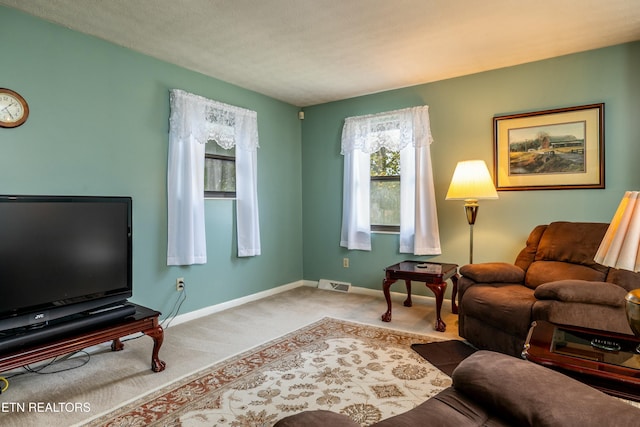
(60, 255)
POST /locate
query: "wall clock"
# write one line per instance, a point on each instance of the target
(14, 110)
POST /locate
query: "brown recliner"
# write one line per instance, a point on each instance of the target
(554, 278)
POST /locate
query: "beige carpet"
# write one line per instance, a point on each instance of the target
(112, 379)
(365, 372)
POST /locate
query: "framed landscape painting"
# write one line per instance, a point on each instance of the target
(552, 149)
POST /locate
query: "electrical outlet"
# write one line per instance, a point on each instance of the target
(180, 284)
(345, 262)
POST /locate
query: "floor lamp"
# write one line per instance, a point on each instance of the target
(471, 182)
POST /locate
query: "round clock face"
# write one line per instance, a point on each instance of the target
(13, 109)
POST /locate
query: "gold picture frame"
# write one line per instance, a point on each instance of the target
(550, 150)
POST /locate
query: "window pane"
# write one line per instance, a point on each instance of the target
(219, 175)
(219, 169)
(385, 202)
(385, 188)
(212, 148)
(385, 163)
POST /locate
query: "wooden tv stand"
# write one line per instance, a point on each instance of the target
(144, 320)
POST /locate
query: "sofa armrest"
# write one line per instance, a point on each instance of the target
(532, 395)
(493, 272)
(582, 291)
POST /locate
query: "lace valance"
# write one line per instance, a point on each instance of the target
(207, 120)
(393, 130)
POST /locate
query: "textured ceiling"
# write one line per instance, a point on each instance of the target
(308, 52)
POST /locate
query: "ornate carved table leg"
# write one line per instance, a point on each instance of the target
(438, 290)
(408, 302)
(454, 293)
(157, 334)
(386, 283)
(440, 325)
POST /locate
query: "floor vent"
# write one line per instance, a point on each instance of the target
(334, 285)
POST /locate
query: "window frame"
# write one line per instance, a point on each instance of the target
(381, 228)
(219, 194)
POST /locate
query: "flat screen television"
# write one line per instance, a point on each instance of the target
(61, 256)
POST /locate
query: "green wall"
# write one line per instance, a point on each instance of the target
(461, 112)
(99, 126)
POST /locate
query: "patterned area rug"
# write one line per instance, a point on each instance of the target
(365, 372)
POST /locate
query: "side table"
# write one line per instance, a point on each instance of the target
(434, 275)
(607, 361)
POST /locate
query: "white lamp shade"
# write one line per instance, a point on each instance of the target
(471, 180)
(620, 247)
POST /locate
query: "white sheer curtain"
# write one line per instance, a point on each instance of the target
(409, 132)
(194, 121)
(356, 222)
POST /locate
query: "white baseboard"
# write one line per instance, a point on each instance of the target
(192, 315)
(377, 292)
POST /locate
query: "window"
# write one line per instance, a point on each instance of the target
(385, 190)
(195, 125)
(407, 133)
(219, 171)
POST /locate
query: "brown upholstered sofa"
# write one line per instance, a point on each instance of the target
(492, 389)
(554, 278)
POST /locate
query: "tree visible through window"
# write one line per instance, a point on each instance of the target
(385, 190)
(219, 171)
